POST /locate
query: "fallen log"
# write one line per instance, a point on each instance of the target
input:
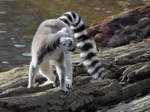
(129, 64)
(128, 27)
(82, 97)
(139, 105)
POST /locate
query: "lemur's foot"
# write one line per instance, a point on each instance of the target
(65, 90)
(48, 83)
(68, 83)
(30, 86)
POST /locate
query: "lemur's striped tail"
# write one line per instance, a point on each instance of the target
(84, 43)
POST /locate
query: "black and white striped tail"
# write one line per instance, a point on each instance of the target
(84, 43)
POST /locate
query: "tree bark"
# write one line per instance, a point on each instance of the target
(128, 27)
(139, 105)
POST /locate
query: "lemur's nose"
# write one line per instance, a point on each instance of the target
(72, 49)
(70, 43)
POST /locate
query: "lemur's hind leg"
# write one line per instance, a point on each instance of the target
(33, 69)
(61, 71)
(68, 62)
(47, 71)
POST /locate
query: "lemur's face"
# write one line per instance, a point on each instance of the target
(67, 43)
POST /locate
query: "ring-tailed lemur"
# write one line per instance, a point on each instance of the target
(51, 45)
(84, 43)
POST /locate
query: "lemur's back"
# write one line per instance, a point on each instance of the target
(46, 34)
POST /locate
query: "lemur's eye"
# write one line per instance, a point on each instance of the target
(64, 44)
(70, 43)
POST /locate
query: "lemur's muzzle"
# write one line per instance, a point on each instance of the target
(71, 49)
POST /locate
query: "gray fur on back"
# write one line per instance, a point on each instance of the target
(46, 35)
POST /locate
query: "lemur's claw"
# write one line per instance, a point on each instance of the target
(65, 91)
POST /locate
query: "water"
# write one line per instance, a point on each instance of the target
(20, 18)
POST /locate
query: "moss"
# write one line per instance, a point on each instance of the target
(12, 74)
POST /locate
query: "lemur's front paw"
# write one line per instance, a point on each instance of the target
(29, 86)
(68, 83)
